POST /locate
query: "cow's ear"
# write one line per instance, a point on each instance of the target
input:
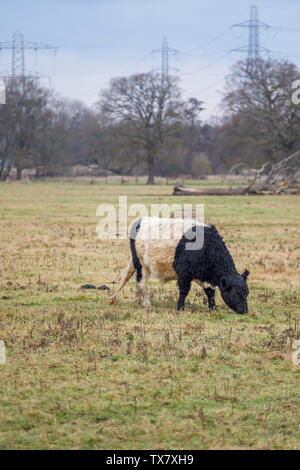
(225, 283)
(245, 274)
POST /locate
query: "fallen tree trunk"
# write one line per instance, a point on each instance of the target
(183, 191)
(282, 178)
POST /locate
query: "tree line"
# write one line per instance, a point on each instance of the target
(141, 124)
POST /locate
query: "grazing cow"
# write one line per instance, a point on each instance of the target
(166, 249)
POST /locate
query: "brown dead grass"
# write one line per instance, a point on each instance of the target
(82, 373)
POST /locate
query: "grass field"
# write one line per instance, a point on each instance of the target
(84, 373)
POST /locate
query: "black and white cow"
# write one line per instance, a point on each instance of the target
(163, 249)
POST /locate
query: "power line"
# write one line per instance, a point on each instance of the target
(210, 53)
(296, 54)
(140, 61)
(285, 29)
(253, 48)
(207, 43)
(212, 63)
(209, 87)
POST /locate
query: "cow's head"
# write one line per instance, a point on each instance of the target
(234, 291)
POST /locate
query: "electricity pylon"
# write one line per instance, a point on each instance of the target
(18, 47)
(165, 50)
(253, 48)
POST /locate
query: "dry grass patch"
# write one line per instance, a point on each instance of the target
(82, 373)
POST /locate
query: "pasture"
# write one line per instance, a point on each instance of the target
(84, 373)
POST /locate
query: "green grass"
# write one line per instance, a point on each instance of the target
(84, 373)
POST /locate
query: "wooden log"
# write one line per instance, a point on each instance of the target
(182, 191)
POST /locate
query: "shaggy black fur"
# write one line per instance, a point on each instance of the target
(212, 264)
(135, 259)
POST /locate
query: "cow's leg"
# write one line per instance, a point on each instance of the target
(142, 288)
(139, 278)
(145, 287)
(211, 298)
(184, 285)
(138, 292)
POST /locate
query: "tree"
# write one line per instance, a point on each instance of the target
(261, 121)
(25, 118)
(200, 165)
(144, 106)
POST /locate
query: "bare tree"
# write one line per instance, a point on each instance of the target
(145, 105)
(25, 117)
(261, 110)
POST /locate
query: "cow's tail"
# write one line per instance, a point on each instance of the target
(134, 264)
(125, 276)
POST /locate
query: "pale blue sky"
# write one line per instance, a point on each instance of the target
(99, 39)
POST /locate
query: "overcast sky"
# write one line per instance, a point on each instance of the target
(100, 39)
